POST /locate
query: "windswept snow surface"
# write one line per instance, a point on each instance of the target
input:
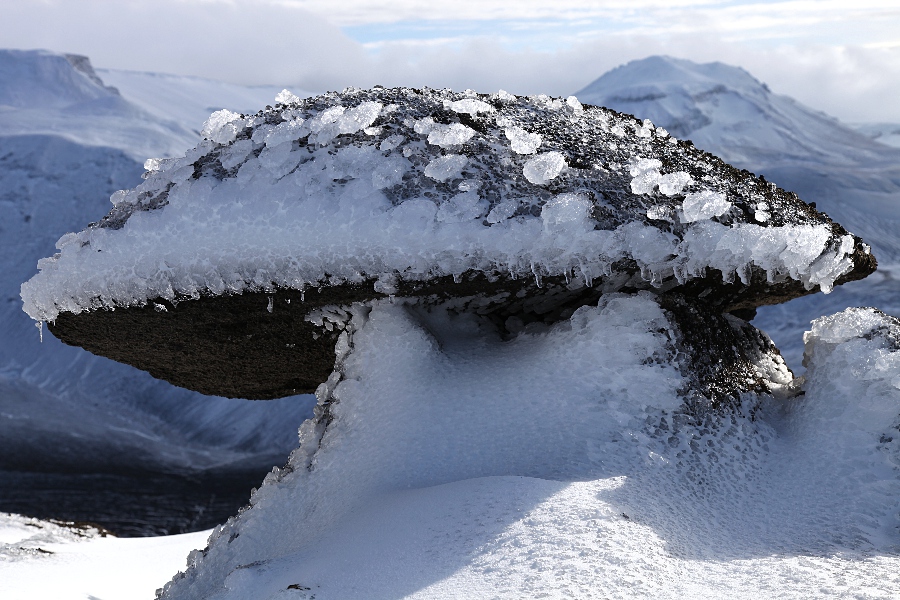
(560, 463)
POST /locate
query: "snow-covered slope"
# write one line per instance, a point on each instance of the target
(44, 93)
(41, 560)
(61, 408)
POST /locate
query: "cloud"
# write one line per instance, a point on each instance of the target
(852, 83)
(241, 42)
(298, 44)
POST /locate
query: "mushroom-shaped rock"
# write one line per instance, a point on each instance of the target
(230, 270)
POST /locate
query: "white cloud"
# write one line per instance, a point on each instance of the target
(242, 42)
(835, 56)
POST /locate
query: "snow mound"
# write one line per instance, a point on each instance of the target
(562, 462)
(397, 183)
(865, 343)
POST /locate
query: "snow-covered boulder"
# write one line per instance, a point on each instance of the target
(224, 268)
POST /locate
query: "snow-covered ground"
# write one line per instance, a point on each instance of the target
(555, 464)
(42, 560)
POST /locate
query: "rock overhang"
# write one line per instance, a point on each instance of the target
(525, 207)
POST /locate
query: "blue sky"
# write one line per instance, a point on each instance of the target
(837, 56)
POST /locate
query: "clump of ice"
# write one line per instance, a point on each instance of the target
(544, 168)
(462, 207)
(222, 126)
(446, 167)
(450, 135)
(704, 205)
(521, 141)
(574, 105)
(646, 176)
(568, 213)
(286, 97)
(470, 106)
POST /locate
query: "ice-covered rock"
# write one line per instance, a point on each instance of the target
(368, 193)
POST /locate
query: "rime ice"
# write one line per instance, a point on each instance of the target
(366, 185)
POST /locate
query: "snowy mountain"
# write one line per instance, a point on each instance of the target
(726, 111)
(43, 93)
(62, 409)
(843, 170)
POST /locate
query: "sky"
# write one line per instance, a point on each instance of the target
(833, 55)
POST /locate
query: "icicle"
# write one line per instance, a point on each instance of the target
(40, 326)
(646, 273)
(271, 305)
(537, 276)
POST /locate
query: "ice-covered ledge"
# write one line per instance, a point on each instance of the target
(209, 274)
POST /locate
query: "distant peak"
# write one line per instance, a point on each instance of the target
(82, 64)
(42, 79)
